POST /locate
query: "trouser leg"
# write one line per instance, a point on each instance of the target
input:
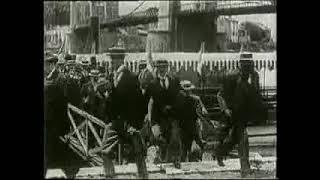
(139, 151)
(175, 144)
(186, 146)
(108, 154)
(243, 151)
(108, 166)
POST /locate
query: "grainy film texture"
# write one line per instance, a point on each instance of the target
(160, 89)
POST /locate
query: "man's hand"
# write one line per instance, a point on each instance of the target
(156, 131)
(147, 118)
(86, 99)
(167, 109)
(204, 111)
(195, 147)
(228, 112)
(131, 130)
(106, 94)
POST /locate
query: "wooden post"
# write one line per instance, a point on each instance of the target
(87, 135)
(119, 154)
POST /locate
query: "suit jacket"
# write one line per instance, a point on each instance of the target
(126, 100)
(163, 97)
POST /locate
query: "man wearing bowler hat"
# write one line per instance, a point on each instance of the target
(58, 154)
(126, 117)
(88, 91)
(243, 106)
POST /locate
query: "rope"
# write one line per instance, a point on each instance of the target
(134, 10)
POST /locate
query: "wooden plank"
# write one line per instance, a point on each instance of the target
(77, 151)
(79, 127)
(77, 131)
(104, 135)
(87, 136)
(98, 149)
(86, 115)
(262, 135)
(94, 132)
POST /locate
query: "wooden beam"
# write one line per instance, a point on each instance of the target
(87, 136)
(79, 127)
(102, 148)
(86, 115)
(77, 132)
(94, 132)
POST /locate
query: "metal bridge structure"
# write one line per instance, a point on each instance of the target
(151, 15)
(174, 22)
(171, 24)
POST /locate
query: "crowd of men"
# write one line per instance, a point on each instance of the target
(153, 99)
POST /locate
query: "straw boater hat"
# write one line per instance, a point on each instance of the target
(187, 85)
(94, 73)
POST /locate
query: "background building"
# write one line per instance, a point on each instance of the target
(61, 16)
(227, 32)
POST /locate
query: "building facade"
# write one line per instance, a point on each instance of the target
(61, 16)
(229, 27)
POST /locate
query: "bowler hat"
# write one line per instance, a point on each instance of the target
(161, 63)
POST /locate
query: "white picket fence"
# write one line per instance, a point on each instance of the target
(265, 63)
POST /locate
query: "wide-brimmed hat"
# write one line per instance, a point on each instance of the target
(187, 85)
(94, 73)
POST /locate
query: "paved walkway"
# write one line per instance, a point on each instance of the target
(262, 129)
(205, 169)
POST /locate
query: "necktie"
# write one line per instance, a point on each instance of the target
(162, 80)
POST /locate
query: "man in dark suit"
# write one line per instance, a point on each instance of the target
(243, 103)
(127, 118)
(164, 90)
(57, 153)
(88, 93)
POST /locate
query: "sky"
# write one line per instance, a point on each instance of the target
(270, 20)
